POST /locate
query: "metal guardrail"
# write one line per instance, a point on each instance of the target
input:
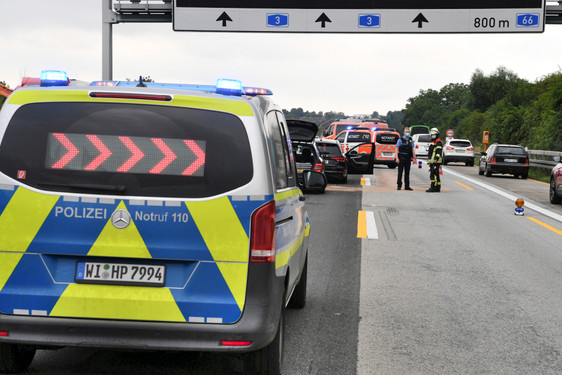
(543, 159)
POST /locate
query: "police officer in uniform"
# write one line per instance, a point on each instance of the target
(405, 157)
(434, 160)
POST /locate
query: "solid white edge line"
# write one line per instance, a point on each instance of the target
(372, 232)
(531, 206)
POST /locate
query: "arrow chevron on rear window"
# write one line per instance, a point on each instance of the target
(110, 153)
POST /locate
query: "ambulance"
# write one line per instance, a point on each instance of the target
(148, 216)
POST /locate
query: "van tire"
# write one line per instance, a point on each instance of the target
(298, 299)
(267, 361)
(15, 358)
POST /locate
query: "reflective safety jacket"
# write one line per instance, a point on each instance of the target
(435, 152)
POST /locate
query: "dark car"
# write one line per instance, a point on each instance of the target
(307, 158)
(505, 159)
(335, 164)
(556, 182)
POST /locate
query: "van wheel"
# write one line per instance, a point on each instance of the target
(267, 361)
(524, 175)
(392, 166)
(298, 299)
(15, 358)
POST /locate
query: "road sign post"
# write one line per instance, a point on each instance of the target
(360, 16)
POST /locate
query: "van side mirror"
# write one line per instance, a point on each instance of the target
(314, 181)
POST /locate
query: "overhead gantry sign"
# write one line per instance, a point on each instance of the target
(360, 16)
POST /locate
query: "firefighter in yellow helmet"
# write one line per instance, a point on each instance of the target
(434, 160)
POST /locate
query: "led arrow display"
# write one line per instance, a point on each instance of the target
(122, 154)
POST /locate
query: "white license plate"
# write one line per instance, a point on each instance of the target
(391, 154)
(120, 273)
(510, 160)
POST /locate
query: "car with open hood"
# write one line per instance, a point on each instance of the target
(310, 165)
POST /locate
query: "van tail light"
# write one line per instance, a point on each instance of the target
(526, 161)
(449, 148)
(470, 149)
(262, 236)
(338, 159)
(493, 159)
(318, 167)
(235, 343)
(3, 333)
(417, 146)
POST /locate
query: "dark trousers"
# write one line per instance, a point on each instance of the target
(434, 176)
(404, 167)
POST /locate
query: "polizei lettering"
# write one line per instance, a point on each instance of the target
(81, 212)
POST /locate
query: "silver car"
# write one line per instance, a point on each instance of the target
(458, 150)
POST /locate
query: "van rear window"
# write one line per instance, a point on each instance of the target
(387, 138)
(424, 138)
(109, 148)
(358, 137)
(340, 128)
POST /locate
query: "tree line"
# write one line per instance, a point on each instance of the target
(512, 109)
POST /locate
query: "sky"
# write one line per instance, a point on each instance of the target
(349, 73)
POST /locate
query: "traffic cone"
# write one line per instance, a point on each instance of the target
(440, 170)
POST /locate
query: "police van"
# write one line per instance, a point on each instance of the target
(148, 216)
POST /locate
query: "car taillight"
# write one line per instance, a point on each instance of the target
(318, 167)
(262, 236)
(338, 159)
(526, 161)
(493, 159)
(417, 146)
(3, 333)
(449, 148)
(470, 149)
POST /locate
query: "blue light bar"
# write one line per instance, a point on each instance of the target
(223, 86)
(104, 83)
(254, 91)
(54, 78)
(229, 87)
